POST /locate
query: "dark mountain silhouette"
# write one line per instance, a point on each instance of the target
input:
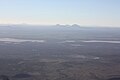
(22, 75)
(114, 78)
(4, 77)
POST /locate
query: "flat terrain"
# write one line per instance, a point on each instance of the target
(33, 53)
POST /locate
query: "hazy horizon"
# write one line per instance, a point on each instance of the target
(49, 12)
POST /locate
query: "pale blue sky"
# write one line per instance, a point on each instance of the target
(83, 12)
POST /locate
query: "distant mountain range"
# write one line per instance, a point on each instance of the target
(74, 25)
(58, 25)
